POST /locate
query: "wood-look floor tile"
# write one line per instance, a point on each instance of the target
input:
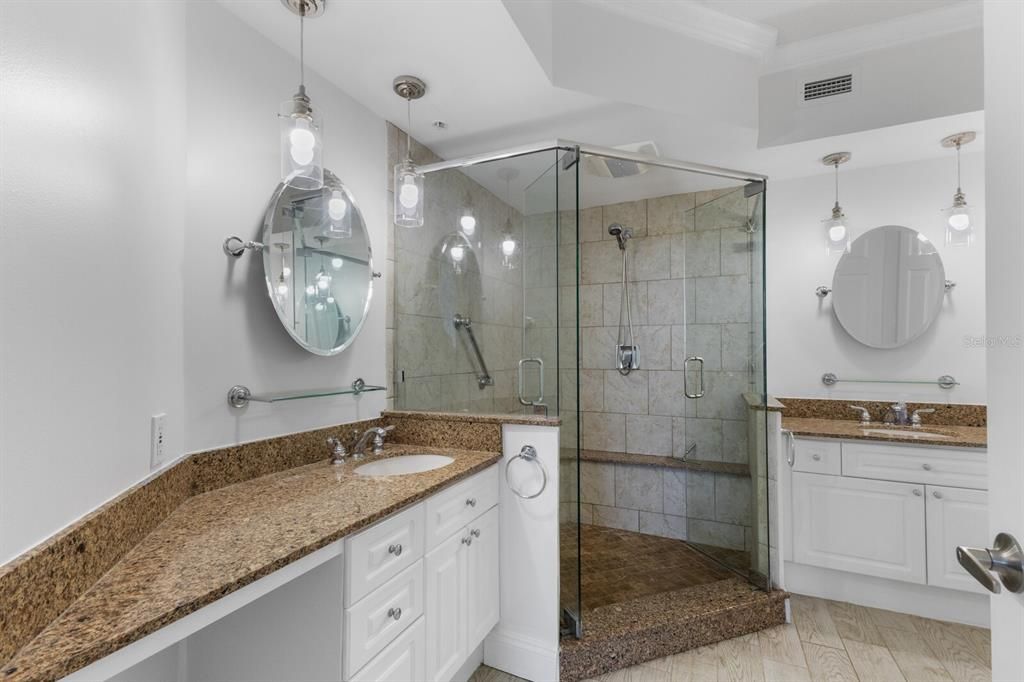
(829, 664)
(854, 622)
(892, 619)
(776, 671)
(782, 643)
(691, 666)
(814, 623)
(955, 650)
(739, 660)
(873, 662)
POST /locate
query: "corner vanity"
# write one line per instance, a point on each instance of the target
(873, 513)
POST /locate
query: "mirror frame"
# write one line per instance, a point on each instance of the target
(331, 181)
(933, 314)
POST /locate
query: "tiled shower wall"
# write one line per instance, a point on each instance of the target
(430, 363)
(691, 294)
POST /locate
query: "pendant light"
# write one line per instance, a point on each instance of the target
(837, 230)
(467, 220)
(959, 226)
(408, 180)
(508, 246)
(301, 127)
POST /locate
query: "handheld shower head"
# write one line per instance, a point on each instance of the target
(621, 234)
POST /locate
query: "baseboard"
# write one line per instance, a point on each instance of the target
(469, 667)
(892, 595)
(521, 656)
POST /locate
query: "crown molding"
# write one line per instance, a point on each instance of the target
(697, 21)
(899, 31)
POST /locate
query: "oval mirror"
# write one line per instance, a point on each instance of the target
(888, 288)
(318, 265)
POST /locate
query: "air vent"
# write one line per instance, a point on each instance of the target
(828, 87)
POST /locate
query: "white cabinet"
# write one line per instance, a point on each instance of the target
(374, 621)
(403, 660)
(382, 551)
(462, 595)
(958, 467)
(956, 516)
(864, 526)
(450, 510)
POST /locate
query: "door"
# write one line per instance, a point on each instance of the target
(482, 602)
(956, 516)
(1003, 241)
(859, 525)
(446, 583)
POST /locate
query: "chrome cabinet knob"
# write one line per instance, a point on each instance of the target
(471, 502)
(816, 458)
(917, 493)
(926, 467)
(936, 494)
(475, 532)
(395, 549)
(395, 612)
(467, 541)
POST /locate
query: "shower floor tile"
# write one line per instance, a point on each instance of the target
(619, 565)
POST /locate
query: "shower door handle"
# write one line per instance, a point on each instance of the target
(539, 400)
(686, 372)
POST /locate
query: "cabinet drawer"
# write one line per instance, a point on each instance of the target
(956, 516)
(817, 456)
(956, 467)
(400, 661)
(451, 509)
(380, 552)
(373, 622)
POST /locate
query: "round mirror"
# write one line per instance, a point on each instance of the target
(317, 260)
(888, 287)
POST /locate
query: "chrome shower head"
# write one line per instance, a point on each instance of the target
(621, 234)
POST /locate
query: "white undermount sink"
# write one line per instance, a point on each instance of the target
(404, 464)
(910, 434)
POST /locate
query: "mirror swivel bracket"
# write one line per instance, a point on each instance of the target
(236, 246)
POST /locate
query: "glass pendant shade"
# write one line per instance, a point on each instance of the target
(837, 232)
(959, 226)
(408, 195)
(508, 247)
(467, 222)
(301, 143)
(339, 224)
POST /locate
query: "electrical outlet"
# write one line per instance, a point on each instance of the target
(158, 441)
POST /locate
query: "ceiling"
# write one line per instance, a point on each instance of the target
(493, 92)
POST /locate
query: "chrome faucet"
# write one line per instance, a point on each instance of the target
(338, 451)
(865, 416)
(898, 414)
(378, 434)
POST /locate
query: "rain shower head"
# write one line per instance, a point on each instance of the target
(621, 234)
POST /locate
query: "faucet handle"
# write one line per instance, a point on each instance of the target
(865, 416)
(915, 418)
(338, 451)
(378, 439)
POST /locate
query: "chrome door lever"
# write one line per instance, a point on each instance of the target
(1004, 560)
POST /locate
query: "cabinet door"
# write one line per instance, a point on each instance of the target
(400, 661)
(483, 590)
(446, 608)
(956, 516)
(859, 525)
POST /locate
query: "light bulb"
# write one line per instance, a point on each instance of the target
(310, 290)
(837, 233)
(301, 136)
(409, 195)
(468, 224)
(959, 219)
(508, 246)
(282, 288)
(286, 272)
(319, 307)
(330, 299)
(457, 253)
(337, 206)
(323, 280)
(336, 263)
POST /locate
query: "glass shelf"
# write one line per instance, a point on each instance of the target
(240, 396)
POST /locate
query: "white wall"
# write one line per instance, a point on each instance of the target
(127, 156)
(805, 341)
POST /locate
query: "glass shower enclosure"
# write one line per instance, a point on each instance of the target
(511, 300)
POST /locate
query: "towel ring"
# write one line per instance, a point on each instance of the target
(528, 453)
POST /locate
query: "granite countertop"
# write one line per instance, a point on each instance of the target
(959, 436)
(528, 419)
(220, 541)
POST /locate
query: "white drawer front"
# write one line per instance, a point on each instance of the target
(376, 554)
(451, 509)
(373, 622)
(956, 467)
(401, 661)
(817, 456)
(956, 516)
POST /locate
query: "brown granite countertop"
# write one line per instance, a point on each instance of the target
(959, 436)
(663, 461)
(220, 541)
(532, 419)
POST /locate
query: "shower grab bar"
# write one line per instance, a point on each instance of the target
(483, 377)
(686, 368)
(529, 454)
(539, 400)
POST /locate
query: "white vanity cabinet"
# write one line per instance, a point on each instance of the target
(886, 510)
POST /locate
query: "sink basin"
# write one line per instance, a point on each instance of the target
(907, 432)
(404, 464)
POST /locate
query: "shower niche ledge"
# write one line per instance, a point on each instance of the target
(733, 468)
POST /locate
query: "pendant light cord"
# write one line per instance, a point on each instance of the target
(837, 182)
(302, 48)
(958, 187)
(408, 130)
